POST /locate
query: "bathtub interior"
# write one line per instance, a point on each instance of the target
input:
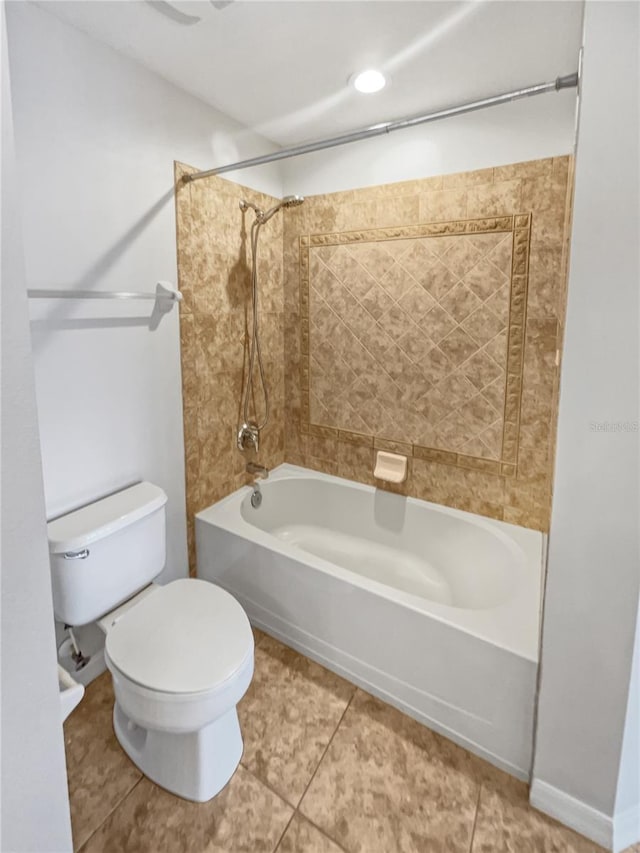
(446, 557)
(481, 575)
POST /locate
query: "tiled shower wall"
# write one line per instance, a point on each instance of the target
(426, 317)
(418, 338)
(214, 263)
(423, 317)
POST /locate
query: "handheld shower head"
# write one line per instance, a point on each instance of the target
(287, 201)
(262, 217)
(292, 200)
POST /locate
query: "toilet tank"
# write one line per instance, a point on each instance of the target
(105, 552)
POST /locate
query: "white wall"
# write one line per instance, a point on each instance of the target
(593, 571)
(34, 802)
(531, 129)
(96, 136)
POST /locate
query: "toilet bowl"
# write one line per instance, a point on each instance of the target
(181, 655)
(181, 659)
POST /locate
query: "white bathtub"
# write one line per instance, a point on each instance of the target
(432, 609)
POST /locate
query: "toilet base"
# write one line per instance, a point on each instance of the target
(194, 765)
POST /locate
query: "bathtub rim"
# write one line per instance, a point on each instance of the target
(226, 514)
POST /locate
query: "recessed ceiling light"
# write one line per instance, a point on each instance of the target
(368, 81)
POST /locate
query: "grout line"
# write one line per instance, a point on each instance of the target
(284, 831)
(321, 831)
(295, 808)
(113, 810)
(335, 731)
(268, 785)
(326, 749)
(475, 818)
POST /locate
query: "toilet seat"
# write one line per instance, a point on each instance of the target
(179, 712)
(188, 638)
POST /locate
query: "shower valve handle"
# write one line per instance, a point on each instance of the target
(248, 437)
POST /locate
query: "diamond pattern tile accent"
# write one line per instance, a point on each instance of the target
(416, 302)
(460, 302)
(409, 336)
(458, 346)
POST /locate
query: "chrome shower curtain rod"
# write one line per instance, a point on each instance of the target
(569, 81)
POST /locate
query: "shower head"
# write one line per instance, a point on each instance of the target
(287, 201)
(292, 200)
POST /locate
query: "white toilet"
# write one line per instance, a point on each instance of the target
(181, 655)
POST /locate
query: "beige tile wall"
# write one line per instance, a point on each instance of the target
(415, 334)
(213, 262)
(215, 318)
(319, 261)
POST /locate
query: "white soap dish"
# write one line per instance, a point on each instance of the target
(390, 467)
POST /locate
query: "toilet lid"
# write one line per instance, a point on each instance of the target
(187, 637)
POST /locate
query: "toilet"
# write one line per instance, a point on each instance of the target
(180, 655)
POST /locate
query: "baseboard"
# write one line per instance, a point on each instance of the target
(575, 814)
(626, 829)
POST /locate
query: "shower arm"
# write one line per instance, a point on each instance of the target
(569, 81)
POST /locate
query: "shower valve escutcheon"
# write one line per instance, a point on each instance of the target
(248, 437)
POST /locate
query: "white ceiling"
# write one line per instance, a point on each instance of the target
(281, 68)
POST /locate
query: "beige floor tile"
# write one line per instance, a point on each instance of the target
(506, 823)
(389, 784)
(385, 784)
(288, 717)
(99, 772)
(246, 817)
(258, 635)
(303, 837)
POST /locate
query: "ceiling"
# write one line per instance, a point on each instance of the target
(281, 68)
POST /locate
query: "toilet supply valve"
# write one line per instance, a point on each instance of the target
(80, 660)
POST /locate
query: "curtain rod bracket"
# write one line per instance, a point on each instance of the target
(569, 81)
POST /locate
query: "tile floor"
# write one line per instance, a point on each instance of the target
(326, 768)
